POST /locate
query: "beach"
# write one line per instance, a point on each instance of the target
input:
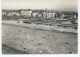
(39, 41)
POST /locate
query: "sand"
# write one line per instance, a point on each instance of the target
(38, 41)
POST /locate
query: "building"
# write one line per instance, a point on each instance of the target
(13, 13)
(37, 13)
(68, 15)
(4, 12)
(49, 14)
(26, 13)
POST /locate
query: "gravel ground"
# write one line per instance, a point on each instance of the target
(9, 50)
(38, 41)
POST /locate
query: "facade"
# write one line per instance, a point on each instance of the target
(4, 13)
(37, 13)
(26, 13)
(69, 15)
(49, 14)
(11, 13)
(44, 15)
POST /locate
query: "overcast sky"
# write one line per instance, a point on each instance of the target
(64, 5)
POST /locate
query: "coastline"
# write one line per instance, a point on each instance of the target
(41, 27)
(38, 41)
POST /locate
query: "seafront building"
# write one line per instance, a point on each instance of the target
(26, 13)
(49, 14)
(39, 13)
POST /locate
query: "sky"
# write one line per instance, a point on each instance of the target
(61, 5)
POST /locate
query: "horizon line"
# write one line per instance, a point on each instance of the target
(41, 9)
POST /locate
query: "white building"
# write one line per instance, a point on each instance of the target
(35, 14)
(11, 13)
(26, 13)
(49, 14)
(4, 13)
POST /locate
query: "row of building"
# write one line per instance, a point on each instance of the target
(39, 13)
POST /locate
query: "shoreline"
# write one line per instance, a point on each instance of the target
(36, 41)
(41, 27)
